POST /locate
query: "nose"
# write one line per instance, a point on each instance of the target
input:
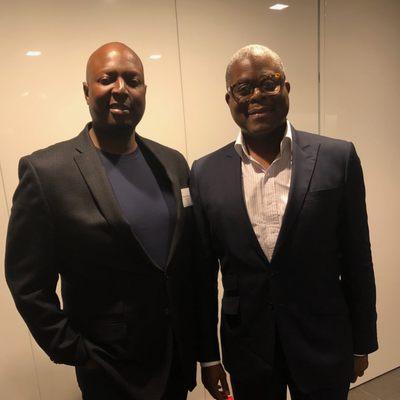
(119, 86)
(256, 93)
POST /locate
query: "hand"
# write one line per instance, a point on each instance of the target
(210, 377)
(360, 365)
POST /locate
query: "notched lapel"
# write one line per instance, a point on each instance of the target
(93, 173)
(164, 160)
(303, 164)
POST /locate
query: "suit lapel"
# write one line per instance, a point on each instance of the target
(233, 186)
(304, 156)
(93, 173)
(164, 160)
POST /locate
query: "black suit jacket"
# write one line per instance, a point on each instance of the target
(317, 291)
(118, 306)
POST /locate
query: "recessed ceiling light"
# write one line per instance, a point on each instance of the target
(279, 6)
(33, 53)
(155, 56)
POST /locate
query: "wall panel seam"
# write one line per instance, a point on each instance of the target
(4, 190)
(35, 367)
(319, 64)
(29, 335)
(180, 76)
(322, 7)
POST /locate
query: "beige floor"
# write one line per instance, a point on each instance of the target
(385, 387)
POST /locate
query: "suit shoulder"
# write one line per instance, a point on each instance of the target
(215, 157)
(51, 156)
(313, 138)
(332, 151)
(158, 147)
(51, 151)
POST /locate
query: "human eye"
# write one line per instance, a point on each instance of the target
(134, 82)
(243, 88)
(105, 80)
(268, 85)
(132, 79)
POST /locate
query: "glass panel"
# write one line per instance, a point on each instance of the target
(211, 31)
(360, 96)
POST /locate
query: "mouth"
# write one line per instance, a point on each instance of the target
(260, 112)
(119, 109)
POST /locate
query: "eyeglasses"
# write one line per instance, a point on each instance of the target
(269, 85)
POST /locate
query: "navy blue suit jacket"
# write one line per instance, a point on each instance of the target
(317, 292)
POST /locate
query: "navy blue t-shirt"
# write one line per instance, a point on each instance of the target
(146, 205)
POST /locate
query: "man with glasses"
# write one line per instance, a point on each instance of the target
(283, 213)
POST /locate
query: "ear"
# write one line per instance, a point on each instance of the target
(287, 85)
(86, 91)
(227, 97)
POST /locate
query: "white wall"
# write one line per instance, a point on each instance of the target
(43, 103)
(210, 32)
(360, 95)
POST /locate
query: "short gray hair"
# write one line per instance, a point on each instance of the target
(253, 50)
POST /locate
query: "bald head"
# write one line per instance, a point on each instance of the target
(114, 88)
(107, 51)
(253, 51)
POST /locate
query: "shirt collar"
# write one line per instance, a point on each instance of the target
(241, 148)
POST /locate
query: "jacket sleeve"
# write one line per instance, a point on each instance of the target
(31, 272)
(357, 275)
(207, 267)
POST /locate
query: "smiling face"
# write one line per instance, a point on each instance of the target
(262, 113)
(115, 90)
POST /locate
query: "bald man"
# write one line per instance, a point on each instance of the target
(289, 229)
(108, 212)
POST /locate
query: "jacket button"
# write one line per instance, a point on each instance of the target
(166, 311)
